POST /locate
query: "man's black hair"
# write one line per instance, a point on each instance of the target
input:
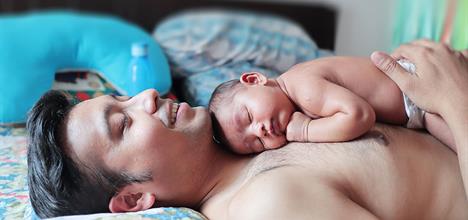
(58, 185)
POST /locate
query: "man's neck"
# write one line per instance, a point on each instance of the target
(227, 174)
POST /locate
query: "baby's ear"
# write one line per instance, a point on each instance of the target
(253, 78)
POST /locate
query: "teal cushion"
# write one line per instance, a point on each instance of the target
(34, 46)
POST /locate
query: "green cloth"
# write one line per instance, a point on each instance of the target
(418, 19)
(460, 29)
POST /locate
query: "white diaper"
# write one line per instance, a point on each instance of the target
(414, 113)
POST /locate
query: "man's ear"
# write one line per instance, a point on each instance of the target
(253, 78)
(126, 201)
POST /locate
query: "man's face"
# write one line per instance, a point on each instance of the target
(256, 118)
(141, 135)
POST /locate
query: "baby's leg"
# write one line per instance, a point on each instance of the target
(439, 129)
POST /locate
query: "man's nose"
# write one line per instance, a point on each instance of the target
(148, 100)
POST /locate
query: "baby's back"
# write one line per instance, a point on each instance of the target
(356, 74)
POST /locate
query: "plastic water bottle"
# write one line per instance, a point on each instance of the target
(141, 73)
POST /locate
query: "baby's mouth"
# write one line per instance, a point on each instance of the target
(276, 129)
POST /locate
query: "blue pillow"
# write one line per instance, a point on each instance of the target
(208, 47)
(34, 46)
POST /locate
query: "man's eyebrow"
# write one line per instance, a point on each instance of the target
(107, 112)
(113, 97)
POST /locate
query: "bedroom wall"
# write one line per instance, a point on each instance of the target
(363, 25)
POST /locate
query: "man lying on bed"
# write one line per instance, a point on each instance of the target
(120, 154)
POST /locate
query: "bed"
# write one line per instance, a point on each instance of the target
(295, 32)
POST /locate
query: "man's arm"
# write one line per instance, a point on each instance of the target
(278, 195)
(343, 115)
(439, 129)
(440, 86)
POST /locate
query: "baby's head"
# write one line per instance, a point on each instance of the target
(250, 114)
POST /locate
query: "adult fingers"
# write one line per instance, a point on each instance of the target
(424, 43)
(392, 69)
(417, 45)
(423, 47)
(411, 52)
(429, 45)
(465, 53)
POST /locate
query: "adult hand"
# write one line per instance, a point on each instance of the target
(440, 84)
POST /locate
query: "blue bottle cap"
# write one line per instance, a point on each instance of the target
(139, 49)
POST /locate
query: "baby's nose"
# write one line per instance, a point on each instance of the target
(268, 127)
(260, 130)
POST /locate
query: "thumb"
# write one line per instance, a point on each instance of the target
(390, 67)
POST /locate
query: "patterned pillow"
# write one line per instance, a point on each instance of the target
(206, 48)
(13, 169)
(167, 213)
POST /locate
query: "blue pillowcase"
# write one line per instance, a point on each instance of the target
(208, 47)
(34, 46)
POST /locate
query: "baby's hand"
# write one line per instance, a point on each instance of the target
(297, 129)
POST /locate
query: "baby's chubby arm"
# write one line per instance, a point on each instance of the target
(343, 115)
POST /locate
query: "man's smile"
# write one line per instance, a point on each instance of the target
(167, 111)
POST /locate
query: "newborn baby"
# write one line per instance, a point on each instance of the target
(329, 99)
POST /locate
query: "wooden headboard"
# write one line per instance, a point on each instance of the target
(317, 19)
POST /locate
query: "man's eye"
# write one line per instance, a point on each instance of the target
(125, 98)
(120, 98)
(124, 123)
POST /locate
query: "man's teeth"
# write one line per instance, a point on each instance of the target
(175, 107)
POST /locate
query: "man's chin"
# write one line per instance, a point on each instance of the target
(202, 122)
